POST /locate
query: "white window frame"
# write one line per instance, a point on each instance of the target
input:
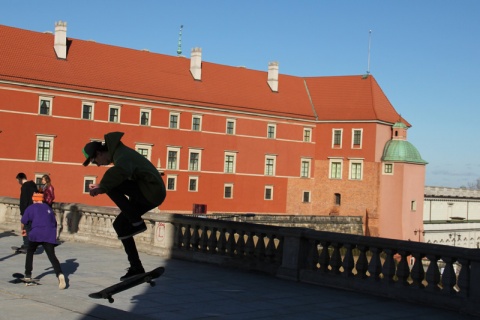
(331, 162)
(174, 177)
(357, 146)
(146, 146)
(114, 106)
(309, 161)
(350, 171)
(413, 205)
(50, 107)
(268, 187)
(234, 166)
(337, 146)
(234, 121)
(309, 196)
(274, 126)
(45, 137)
(177, 114)
(305, 130)
(177, 165)
(224, 189)
(270, 157)
(384, 166)
(92, 106)
(85, 178)
(199, 117)
(149, 112)
(38, 177)
(196, 183)
(195, 150)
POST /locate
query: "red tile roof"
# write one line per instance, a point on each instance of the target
(28, 56)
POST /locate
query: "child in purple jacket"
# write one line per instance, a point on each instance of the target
(43, 232)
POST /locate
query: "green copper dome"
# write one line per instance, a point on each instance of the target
(401, 151)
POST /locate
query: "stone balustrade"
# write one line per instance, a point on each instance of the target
(436, 275)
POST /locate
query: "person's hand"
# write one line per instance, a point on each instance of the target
(92, 186)
(96, 191)
(24, 233)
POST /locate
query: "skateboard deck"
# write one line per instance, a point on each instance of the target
(147, 277)
(28, 282)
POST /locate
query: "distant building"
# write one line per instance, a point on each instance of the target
(228, 139)
(452, 216)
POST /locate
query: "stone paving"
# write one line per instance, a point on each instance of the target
(187, 290)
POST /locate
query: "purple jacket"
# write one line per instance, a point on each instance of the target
(44, 223)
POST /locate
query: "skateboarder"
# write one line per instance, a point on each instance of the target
(28, 188)
(132, 183)
(43, 232)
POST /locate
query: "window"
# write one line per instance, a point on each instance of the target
(173, 155)
(194, 160)
(45, 148)
(230, 126)
(174, 120)
(306, 196)
(171, 182)
(335, 169)
(228, 191)
(356, 138)
(144, 149)
(338, 199)
(229, 166)
(305, 168)
(38, 180)
(307, 135)
(388, 168)
(114, 114)
(193, 184)
(45, 106)
(356, 169)
(145, 115)
(271, 131)
(413, 205)
(87, 110)
(268, 193)
(337, 138)
(87, 181)
(197, 123)
(270, 165)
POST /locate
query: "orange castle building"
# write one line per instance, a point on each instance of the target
(233, 139)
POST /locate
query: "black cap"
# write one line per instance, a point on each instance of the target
(90, 150)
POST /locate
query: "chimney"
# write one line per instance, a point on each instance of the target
(61, 39)
(273, 76)
(196, 63)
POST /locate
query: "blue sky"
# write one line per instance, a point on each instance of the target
(424, 54)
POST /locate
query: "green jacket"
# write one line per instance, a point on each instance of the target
(128, 164)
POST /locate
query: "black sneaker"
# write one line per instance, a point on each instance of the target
(133, 230)
(132, 272)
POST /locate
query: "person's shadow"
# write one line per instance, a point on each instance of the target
(68, 267)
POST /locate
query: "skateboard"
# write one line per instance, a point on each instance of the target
(21, 278)
(19, 250)
(147, 277)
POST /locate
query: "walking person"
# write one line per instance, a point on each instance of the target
(48, 190)
(43, 232)
(133, 184)
(27, 189)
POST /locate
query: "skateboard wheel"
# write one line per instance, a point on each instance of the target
(111, 300)
(152, 284)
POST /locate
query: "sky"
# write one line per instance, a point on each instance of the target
(425, 55)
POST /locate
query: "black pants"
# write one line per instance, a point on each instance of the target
(49, 249)
(132, 204)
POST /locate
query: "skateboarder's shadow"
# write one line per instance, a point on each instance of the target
(68, 268)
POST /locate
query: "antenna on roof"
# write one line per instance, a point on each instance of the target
(179, 48)
(365, 76)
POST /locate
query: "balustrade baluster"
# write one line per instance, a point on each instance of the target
(222, 241)
(324, 258)
(204, 239)
(362, 262)
(375, 265)
(279, 250)
(231, 242)
(463, 281)
(195, 239)
(249, 244)
(348, 262)
(212, 241)
(240, 247)
(336, 259)
(388, 268)
(417, 273)
(433, 274)
(177, 239)
(449, 278)
(186, 237)
(403, 272)
(270, 251)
